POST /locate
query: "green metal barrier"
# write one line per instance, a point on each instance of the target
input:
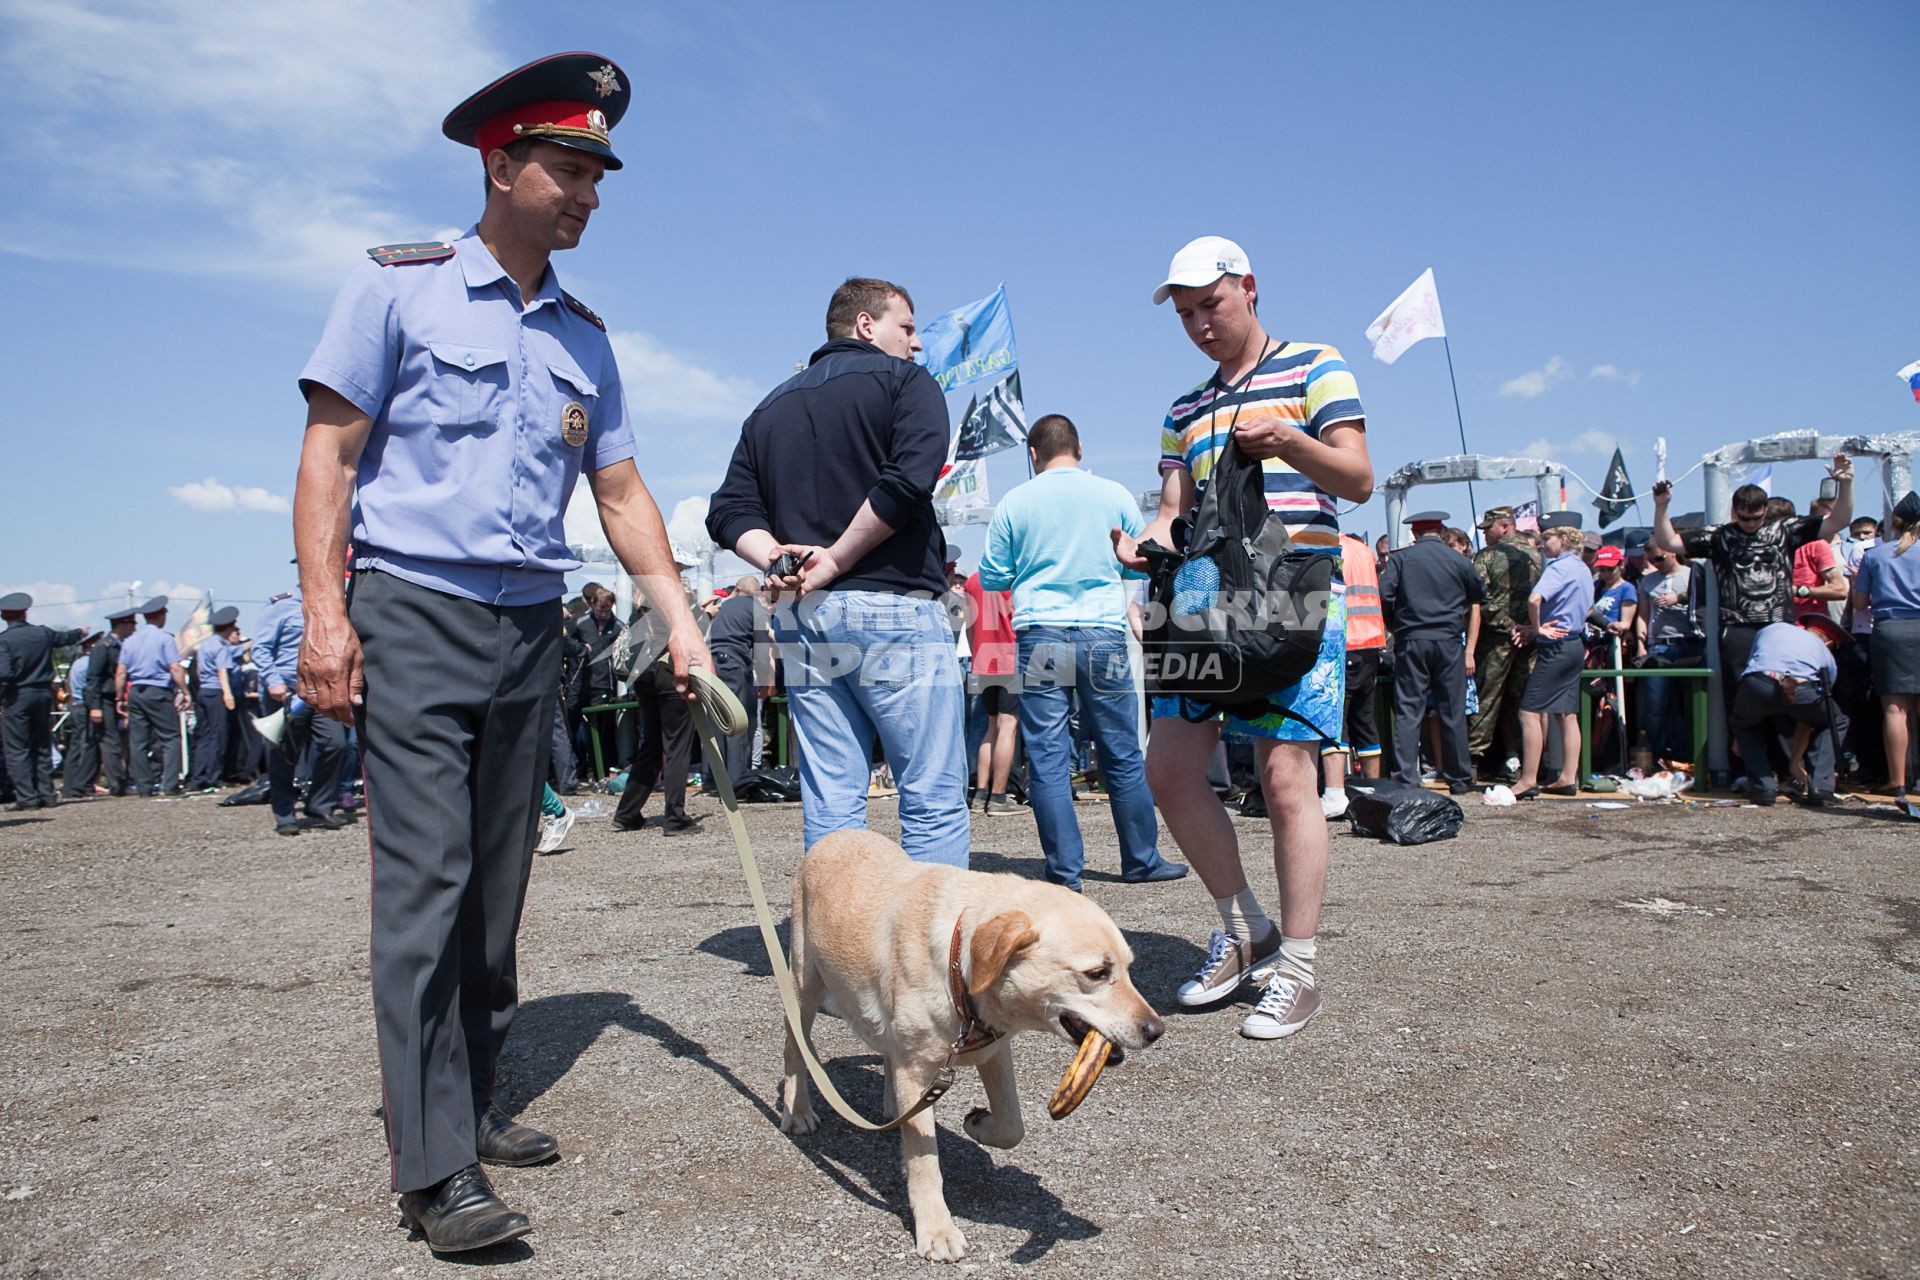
(1698, 719)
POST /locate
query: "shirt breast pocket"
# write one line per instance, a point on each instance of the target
(576, 401)
(468, 386)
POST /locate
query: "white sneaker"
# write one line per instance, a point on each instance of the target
(1225, 968)
(1513, 764)
(553, 831)
(1430, 775)
(1287, 1005)
(1333, 804)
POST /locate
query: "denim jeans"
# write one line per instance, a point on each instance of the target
(1092, 661)
(862, 665)
(1663, 715)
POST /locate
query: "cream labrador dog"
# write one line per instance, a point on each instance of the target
(931, 966)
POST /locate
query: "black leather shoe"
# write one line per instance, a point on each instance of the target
(1165, 871)
(1460, 788)
(462, 1213)
(675, 825)
(287, 828)
(501, 1141)
(332, 820)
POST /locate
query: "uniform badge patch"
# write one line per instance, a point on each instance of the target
(606, 81)
(573, 424)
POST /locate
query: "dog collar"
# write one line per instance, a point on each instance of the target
(974, 1032)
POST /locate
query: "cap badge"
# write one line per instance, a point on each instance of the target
(606, 81)
(597, 121)
(573, 424)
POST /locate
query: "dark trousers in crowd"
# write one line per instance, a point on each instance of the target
(209, 754)
(1438, 663)
(111, 737)
(664, 753)
(82, 764)
(563, 766)
(1500, 673)
(153, 726)
(325, 757)
(456, 727)
(1765, 714)
(736, 672)
(607, 725)
(26, 727)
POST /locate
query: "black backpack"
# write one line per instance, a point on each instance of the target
(1239, 607)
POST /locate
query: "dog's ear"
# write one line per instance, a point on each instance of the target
(994, 945)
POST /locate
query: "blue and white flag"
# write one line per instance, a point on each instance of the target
(970, 343)
(1764, 478)
(1911, 376)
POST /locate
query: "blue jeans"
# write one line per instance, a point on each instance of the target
(1662, 714)
(867, 664)
(1092, 661)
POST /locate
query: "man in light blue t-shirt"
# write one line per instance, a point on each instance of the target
(1050, 542)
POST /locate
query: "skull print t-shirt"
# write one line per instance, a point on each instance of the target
(1755, 569)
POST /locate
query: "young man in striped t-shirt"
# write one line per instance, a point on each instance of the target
(1294, 406)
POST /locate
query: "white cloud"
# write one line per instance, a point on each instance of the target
(232, 136)
(1591, 441)
(662, 384)
(1535, 382)
(1613, 373)
(687, 527)
(211, 496)
(60, 604)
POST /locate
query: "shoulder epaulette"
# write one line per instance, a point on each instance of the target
(392, 255)
(585, 311)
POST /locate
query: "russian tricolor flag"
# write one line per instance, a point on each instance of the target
(1912, 374)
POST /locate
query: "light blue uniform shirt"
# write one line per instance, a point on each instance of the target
(1051, 542)
(77, 680)
(1892, 582)
(276, 642)
(466, 475)
(1792, 651)
(1566, 593)
(146, 654)
(214, 656)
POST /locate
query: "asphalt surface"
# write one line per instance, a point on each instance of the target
(1660, 1041)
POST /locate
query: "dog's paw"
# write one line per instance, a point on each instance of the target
(799, 1122)
(986, 1129)
(940, 1244)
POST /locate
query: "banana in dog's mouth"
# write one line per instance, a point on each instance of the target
(1088, 1061)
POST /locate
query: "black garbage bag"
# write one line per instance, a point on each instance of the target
(254, 792)
(1402, 813)
(774, 785)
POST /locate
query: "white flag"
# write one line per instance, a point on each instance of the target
(1412, 316)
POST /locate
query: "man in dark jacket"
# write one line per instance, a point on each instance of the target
(1432, 597)
(837, 467)
(26, 700)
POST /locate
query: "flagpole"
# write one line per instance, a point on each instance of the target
(1461, 422)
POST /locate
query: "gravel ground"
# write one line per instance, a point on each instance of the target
(1666, 1041)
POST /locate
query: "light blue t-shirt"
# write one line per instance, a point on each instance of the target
(1791, 650)
(276, 641)
(1892, 582)
(214, 656)
(483, 416)
(147, 654)
(1051, 542)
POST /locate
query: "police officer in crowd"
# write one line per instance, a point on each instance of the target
(1508, 568)
(105, 720)
(1432, 597)
(740, 638)
(276, 653)
(152, 687)
(82, 763)
(596, 632)
(464, 369)
(26, 700)
(216, 666)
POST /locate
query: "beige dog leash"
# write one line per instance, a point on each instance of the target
(717, 711)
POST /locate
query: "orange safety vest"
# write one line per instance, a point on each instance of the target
(1366, 624)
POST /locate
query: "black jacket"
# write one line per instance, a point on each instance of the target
(857, 425)
(1426, 589)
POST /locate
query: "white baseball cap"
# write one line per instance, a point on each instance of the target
(1200, 262)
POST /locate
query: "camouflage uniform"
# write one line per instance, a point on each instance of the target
(1509, 568)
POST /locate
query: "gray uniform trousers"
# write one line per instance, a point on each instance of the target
(736, 672)
(456, 728)
(209, 738)
(1764, 718)
(112, 740)
(154, 727)
(26, 724)
(83, 753)
(1438, 663)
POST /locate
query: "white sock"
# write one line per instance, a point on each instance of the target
(1242, 917)
(1297, 954)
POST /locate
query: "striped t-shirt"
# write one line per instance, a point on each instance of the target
(1305, 385)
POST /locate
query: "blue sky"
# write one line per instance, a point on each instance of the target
(1715, 202)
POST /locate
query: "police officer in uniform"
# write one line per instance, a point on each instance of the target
(104, 718)
(82, 763)
(276, 653)
(217, 663)
(152, 687)
(1508, 568)
(1432, 598)
(26, 700)
(455, 397)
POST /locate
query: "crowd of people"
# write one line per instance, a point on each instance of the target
(457, 394)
